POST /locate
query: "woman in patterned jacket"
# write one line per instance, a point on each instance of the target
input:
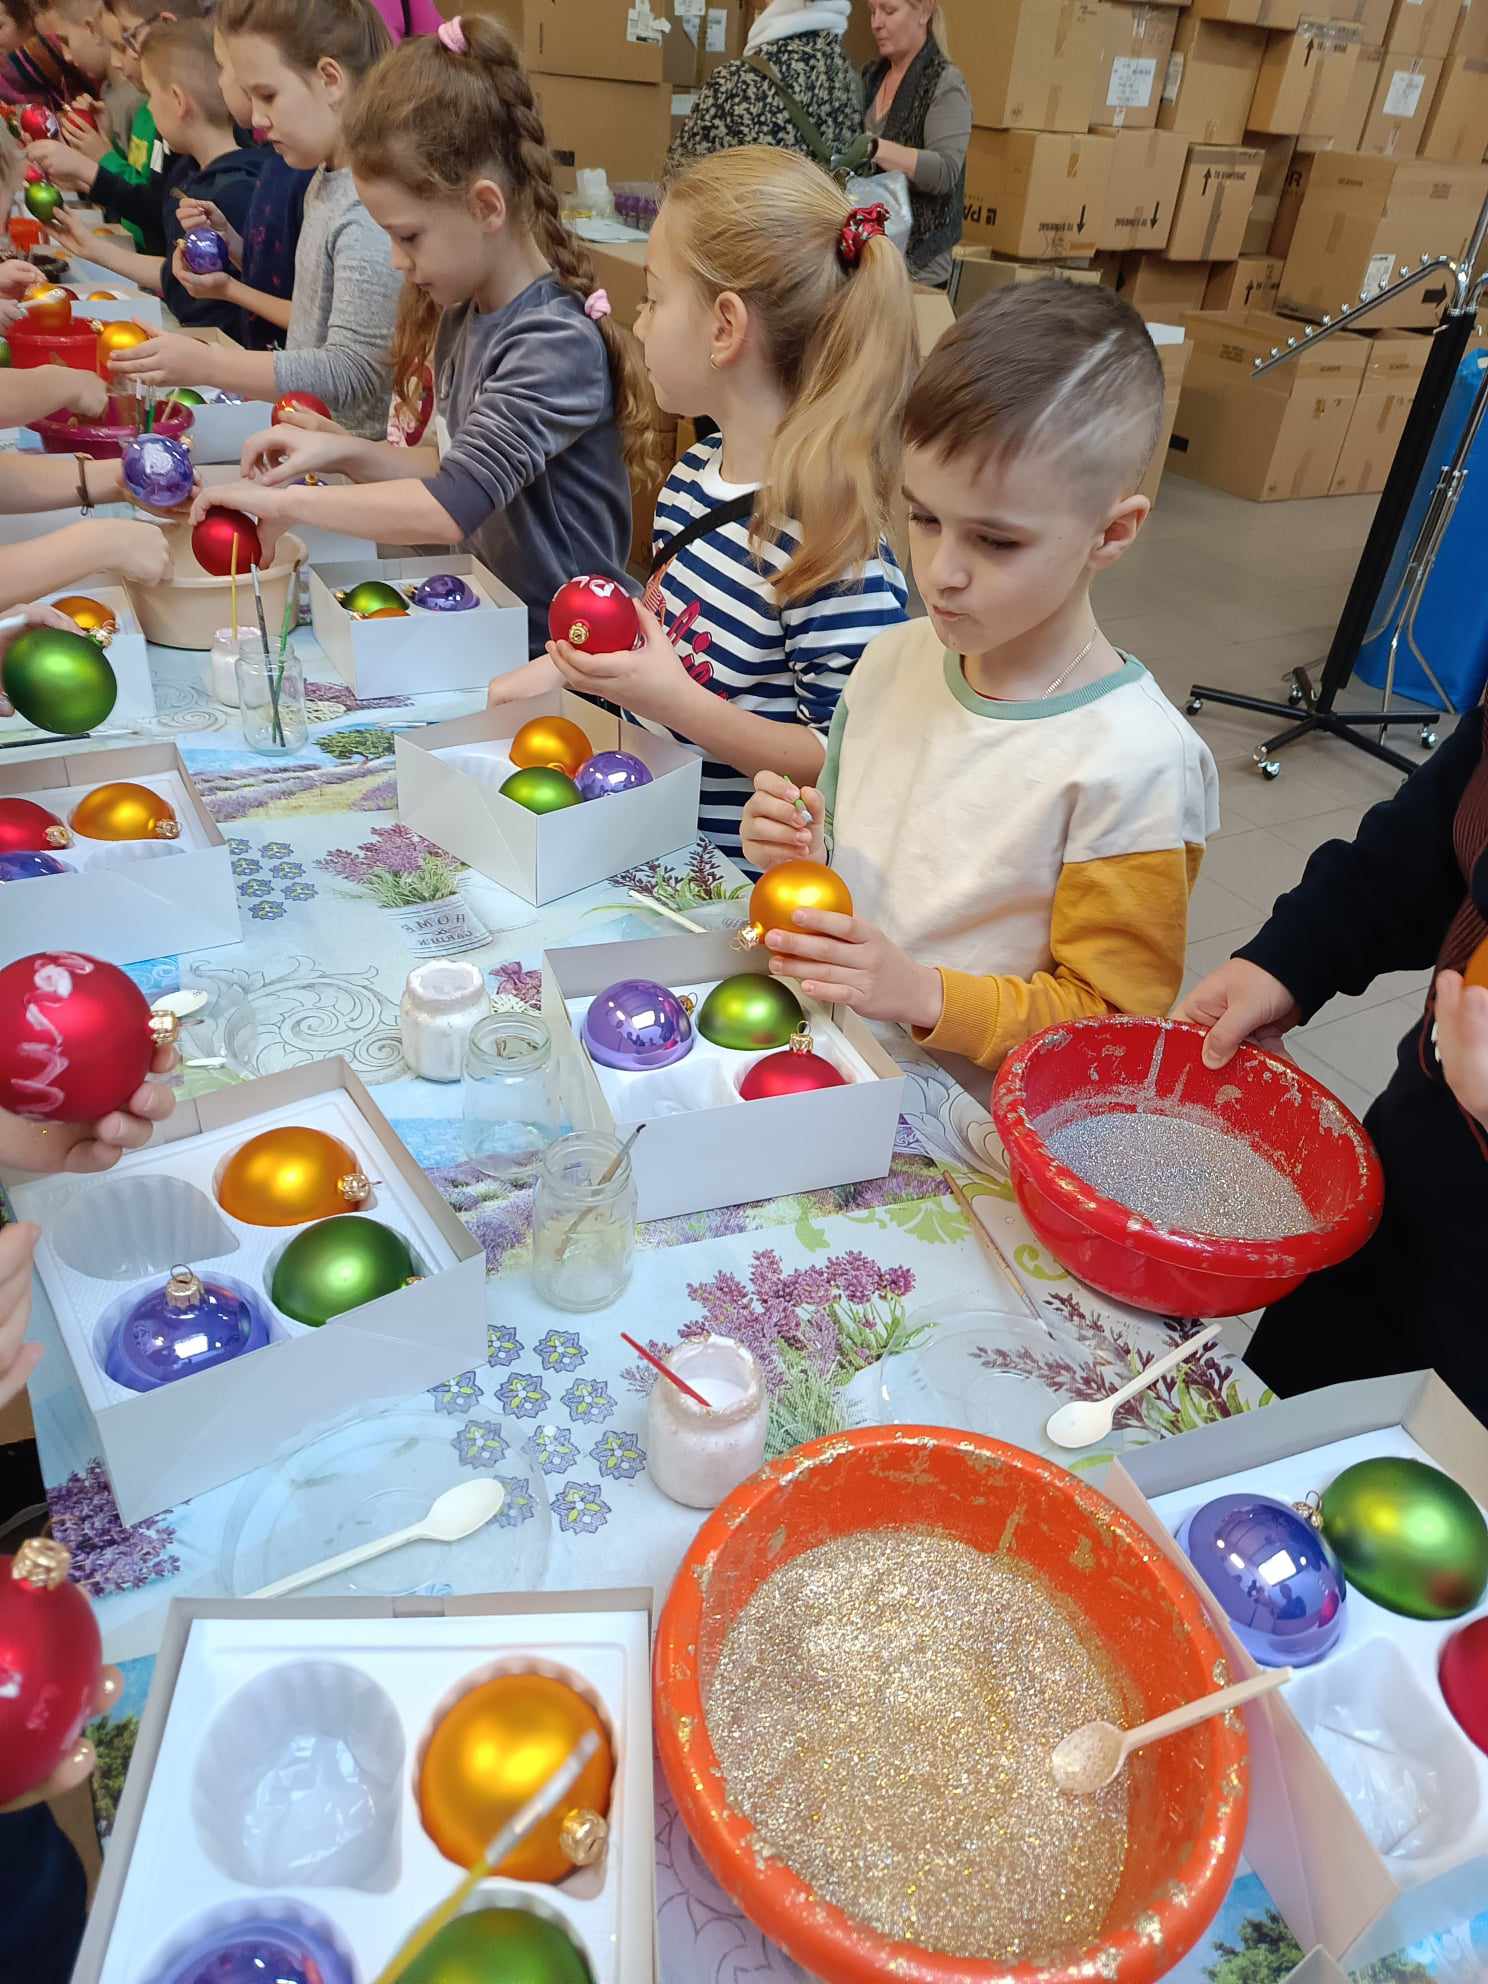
(743, 103)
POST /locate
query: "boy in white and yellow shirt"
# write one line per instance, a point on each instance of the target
(1018, 810)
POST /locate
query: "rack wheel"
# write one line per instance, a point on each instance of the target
(1428, 737)
(1194, 705)
(1268, 767)
(1295, 696)
(1258, 755)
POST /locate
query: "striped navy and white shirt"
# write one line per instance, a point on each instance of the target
(717, 603)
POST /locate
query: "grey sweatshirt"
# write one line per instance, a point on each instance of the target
(533, 473)
(345, 299)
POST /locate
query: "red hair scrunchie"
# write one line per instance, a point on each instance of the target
(859, 228)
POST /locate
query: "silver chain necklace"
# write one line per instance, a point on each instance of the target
(1065, 673)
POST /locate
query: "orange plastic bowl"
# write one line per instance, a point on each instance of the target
(1187, 1796)
(1127, 1062)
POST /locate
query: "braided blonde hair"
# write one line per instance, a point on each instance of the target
(435, 122)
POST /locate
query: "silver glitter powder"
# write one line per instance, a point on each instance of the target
(884, 1709)
(1177, 1172)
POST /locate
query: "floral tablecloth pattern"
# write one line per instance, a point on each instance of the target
(844, 1295)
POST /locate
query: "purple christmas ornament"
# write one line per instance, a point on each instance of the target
(609, 772)
(637, 1025)
(262, 1952)
(157, 471)
(205, 251)
(22, 867)
(184, 1325)
(1272, 1573)
(445, 592)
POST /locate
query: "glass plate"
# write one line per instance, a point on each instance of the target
(379, 1472)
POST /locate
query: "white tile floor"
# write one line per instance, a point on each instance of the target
(1233, 594)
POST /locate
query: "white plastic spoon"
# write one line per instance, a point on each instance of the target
(457, 1513)
(1085, 1420)
(1090, 1757)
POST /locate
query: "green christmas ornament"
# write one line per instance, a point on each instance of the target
(372, 596)
(1408, 1537)
(749, 1011)
(500, 1946)
(44, 199)
(58, 680)
(541, 789)
(183, 396)
(339, 1264)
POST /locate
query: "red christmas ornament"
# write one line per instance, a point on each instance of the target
(214, 537)
(1464, 1680)
(37, 122)
(51, 1660)
(84, 113)
(794, 1071)
(76, 1037)
(597, 615)
(26, 828)
(33, 175)
(307, 402)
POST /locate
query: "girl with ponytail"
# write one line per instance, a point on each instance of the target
(786, 317)
(539, 395)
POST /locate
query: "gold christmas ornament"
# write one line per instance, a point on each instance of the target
(89, 616)
(551, 742)
(291, 1175)
(124, 811)
(794, 885)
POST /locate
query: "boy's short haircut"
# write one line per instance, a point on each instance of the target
(1063, 370)
(180, 52)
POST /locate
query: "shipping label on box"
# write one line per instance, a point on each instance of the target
(631, 41)
(1142, 189)
(121, 900)
(1456, 127)
(1305, 80)
(1135, 44)
(1214, 197)
(1211, 78)
(1036, 193)
(1403, 95)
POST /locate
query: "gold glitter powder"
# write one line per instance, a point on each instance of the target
(884, 1709)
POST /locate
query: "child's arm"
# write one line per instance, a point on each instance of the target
(64, 165)
(1117, 933)
(533, 678)
(45, 389)
(144, 270)
(650, 681)
(224, 288)
(137, 551)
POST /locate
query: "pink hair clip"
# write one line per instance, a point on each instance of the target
(453, 36)
(598, 305)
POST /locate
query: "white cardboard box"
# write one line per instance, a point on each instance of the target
(164, 1446)
(133, 308)
(159, 1881)
(126, 654)
(449, 789)
(740, 1151)
(220, 428)
(121, 900)
(1304, 1839)
(423, 651)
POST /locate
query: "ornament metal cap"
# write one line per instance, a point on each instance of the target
(583, 1836)
(164, 1027)
(355, 1187)
(801, 1041)
(58, 836)
(579, 633)
(42, 1562)
(1310, 1508)
(166, 829)
(184, 1289)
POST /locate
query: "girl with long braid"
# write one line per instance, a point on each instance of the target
(540, 397)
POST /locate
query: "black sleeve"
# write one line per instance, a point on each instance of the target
(1382, 901)
(140, 201)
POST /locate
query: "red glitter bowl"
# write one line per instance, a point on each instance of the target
(1187, 1797)
(106, 439)
(1126, 1063)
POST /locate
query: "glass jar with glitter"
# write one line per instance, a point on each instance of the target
(443, 1002)
(583, 1223)
(699, 1453)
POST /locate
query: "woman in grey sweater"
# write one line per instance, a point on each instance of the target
(919, 117)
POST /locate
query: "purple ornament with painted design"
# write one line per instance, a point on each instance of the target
(609, 772)
(637, 1025)
(204, 251)
(157, 471)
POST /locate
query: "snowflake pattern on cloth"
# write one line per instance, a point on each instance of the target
(502, 1346)
(556, 1452)
(480, 1444)
(620, 1456)
(560, 1350)
(580, 1508)
(523, 1396)
(588, 1399)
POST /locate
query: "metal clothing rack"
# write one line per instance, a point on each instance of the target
(1312, 709)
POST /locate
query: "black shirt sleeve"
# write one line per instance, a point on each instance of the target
(1382, 901)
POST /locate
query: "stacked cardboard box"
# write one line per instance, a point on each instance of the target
(1392, 372)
